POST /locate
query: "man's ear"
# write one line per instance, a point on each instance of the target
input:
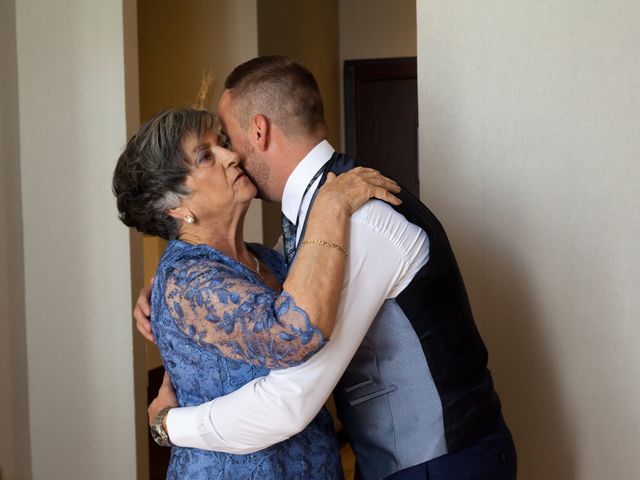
(260, 131)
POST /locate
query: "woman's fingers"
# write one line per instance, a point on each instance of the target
(355, 187)
(377, 183)
(374, 177)
(374, 185)
(385, 195)
(383, 188)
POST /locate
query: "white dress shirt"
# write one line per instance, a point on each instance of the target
(385, 252)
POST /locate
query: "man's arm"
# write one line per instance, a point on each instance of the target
(384, 253)
(142, 312)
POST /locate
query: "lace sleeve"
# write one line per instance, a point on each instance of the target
(219, 308)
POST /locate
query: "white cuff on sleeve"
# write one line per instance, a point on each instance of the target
(182, 423)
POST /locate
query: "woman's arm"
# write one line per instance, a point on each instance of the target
(221, 309)
(317, 274)
(326, 220)
(217, 306)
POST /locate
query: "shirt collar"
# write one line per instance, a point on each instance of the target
(297, 182)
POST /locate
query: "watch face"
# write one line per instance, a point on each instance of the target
(157, 430)
(158, 435)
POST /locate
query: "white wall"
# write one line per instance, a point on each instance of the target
(14, 414)
(78, 309)
(530, 148)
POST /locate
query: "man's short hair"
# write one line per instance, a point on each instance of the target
(279, 88)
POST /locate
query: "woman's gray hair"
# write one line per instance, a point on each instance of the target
(149, 179)
(170, 200)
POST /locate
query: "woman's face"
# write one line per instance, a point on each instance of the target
(217, 183)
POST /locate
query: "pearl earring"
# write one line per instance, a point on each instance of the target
(189, 219)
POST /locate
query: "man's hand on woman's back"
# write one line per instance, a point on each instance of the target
(142, 312)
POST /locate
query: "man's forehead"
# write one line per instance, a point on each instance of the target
(221, 123)
(223, 113)
(223, 103)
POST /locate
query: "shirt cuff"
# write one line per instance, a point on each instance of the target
(183, 427)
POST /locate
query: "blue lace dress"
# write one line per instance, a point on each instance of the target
(217, 327)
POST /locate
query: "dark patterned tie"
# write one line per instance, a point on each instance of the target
(290, 229)
(289, 238)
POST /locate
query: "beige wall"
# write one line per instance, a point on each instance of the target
(77, 280)
(377, 29)
(178, 40)
(307, 31)
(530, 148)
(14, 414)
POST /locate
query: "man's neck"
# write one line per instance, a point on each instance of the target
(301, 176)
(292, 153)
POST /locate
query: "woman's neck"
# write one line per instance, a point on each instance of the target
(226, 237)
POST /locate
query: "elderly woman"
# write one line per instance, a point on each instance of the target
(222, 311)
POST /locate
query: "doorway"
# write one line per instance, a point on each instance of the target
(381, 116)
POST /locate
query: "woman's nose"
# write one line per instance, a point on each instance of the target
(227, 157)
(232, 160)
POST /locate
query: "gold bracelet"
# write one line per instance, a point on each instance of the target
(328, 244)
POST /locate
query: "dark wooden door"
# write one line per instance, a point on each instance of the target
(381, 116)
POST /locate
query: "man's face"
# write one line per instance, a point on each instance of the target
(238, 140)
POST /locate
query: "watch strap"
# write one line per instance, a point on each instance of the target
(158, 432)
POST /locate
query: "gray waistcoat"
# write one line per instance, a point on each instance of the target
(387, 400)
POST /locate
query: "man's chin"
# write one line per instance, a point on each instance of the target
(262, 195)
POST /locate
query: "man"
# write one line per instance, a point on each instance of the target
(405, 361)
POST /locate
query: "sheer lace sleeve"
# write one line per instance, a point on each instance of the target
(219, 308)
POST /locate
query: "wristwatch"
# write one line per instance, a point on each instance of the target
(157, 430)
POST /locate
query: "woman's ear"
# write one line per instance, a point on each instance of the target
(259, 132)
(182, 213)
